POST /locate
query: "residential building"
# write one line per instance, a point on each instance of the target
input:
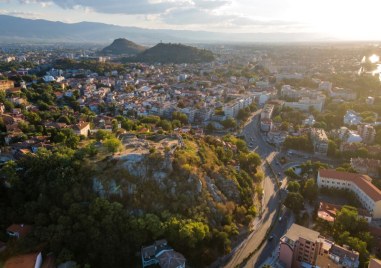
(162, 254)
(82, 128)
(32, 260)
(374, 263)
(325, 85)
(367, 133)
(361, 185)
(341, 93)
(369, 100)
(299, 245)
(310, 121)
(370, 167)
(306, 103)
(332, 255)
(303, 247)
(352, 118)
(2, 108)
(19, 230)
(6, 84)
(328, 212)
(266, 124)
(232, 108)
(319, 140)
(267, 111)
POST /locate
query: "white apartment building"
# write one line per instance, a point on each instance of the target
(361, 185)
(232, 108)
(306, 103)
(325, 85)
(267, 111)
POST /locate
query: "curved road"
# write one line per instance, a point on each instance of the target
(271, 197)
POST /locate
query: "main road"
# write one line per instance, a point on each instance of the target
(271, 198)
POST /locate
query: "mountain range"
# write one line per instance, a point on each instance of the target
(15, 29)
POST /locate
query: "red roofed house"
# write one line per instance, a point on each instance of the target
(361, 185)
(32, 260)
(328, 212)
(19, 230)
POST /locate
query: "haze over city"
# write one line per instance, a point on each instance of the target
(337, 20)
(190, 134)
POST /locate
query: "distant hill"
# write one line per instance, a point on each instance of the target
(17, 29)
(123, 46)
(174, 53)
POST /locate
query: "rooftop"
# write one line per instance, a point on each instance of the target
(364, 182)
(24, 261)
(297, 231)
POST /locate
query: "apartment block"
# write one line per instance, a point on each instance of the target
(303, 247)
(361, 185)
(319, 140)
(367, 133)
(267, 111)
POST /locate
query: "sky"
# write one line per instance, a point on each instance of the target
(342, 19)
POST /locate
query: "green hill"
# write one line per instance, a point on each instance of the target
(122, 46)
(174, 53)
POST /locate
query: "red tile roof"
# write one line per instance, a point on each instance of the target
(364, 182)
(22, 229)
(24, 261)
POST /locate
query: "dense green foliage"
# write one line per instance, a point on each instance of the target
(53, 192)
(173, 53)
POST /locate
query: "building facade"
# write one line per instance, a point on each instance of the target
(361, 185)
(320, 141)
(303, 247)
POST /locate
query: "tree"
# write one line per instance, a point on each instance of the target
(183, 118)
(229, 123)
(102, 135)
(331, 148)
(294, 201)
(310, 190)
(293, 186)
(113, 144)
(165, 124)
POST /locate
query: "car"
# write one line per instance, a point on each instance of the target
(278, 173)
(271, 237)
(280, 219)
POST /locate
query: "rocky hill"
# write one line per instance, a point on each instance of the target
(123, 46)
(198, 192)
(195, 179)
(174, 53)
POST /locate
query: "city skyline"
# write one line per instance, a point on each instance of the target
(350, 22)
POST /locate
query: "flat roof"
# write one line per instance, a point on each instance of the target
(297, 231)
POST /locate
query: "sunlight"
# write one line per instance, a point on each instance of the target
(374, 58)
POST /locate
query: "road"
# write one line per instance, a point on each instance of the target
(271, 195)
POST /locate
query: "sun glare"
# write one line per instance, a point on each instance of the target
(374, 58)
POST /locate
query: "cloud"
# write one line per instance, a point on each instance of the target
(28, 15)
(200, 16)
(129, 7)
(211, 4)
